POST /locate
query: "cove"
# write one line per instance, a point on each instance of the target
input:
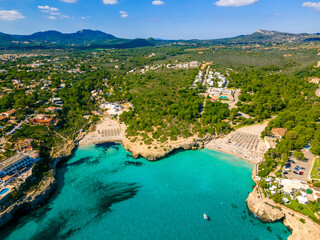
(103, 193)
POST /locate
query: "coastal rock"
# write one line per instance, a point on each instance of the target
(268, 211)
(264, 210)
(31, 200)
(155, 152)
(308, 230)
(63, 151)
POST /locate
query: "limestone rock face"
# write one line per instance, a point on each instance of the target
(63, 152)
(155, 152)
(265, 211)
(268, 211)
(31, 200)
(308, 230)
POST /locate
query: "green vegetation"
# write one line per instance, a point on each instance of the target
(316, 169)
(273, 79)
(302, 220)
(309, 209)
(166, 107)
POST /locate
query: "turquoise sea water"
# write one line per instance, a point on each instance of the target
(104, 193)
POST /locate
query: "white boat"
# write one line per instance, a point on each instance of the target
(205, 216)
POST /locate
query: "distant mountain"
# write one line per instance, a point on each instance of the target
(90, 39)
(58, 37)
(264, 36)
(82, 39)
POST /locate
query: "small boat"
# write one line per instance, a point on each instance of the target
(205, 217)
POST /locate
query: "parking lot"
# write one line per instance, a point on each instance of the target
(307, 164)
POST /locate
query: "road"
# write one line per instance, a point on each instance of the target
(205, 76)
(19, 125)
(236, 99)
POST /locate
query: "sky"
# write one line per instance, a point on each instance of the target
(165, 19)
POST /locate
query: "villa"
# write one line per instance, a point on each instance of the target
(25, 145)
(57, 101)
(44, 120)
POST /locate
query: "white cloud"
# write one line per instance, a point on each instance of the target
(69, 1)
(110, 1)
(234, 3)
(10, 15)
(158, 2)
(47, 9)
(314, 5)
(52, 17)
(52, 13)
(124, 14)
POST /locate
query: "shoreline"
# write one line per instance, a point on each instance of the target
(230, 153)
(290, 221)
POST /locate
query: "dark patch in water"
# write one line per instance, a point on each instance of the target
(234, 205)
(132, 163)
(244, 215)
(128, 156)
(107, 195)
(107, 145)
(96, 161)
(54, 228)
(269, 229)
(79, 162)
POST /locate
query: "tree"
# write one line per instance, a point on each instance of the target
(299, 155)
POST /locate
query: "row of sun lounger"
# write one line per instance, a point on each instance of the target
(244, 140)
(112, 132)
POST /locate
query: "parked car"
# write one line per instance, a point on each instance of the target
(291, 161)
(302, 168)
(295, 172)
(297, 168)
(285, 173)
(300, 172)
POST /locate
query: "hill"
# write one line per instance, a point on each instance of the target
(90, 39)
(82, 39)
(264, 36)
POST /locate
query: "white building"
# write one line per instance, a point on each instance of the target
(302, 200)
(112, 108)
(57, 100)
(17, 162)
(194, 64)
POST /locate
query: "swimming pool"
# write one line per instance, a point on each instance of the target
(224, 97)
(3, 191)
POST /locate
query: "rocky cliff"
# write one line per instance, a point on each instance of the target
(268, 211)
(265, 211)
(29, 201)
(157, 151)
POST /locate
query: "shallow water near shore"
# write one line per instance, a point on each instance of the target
(103, 193)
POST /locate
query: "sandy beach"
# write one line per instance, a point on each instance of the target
(244, 143)
(107, 130)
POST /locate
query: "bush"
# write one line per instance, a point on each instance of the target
(302, 220)
(277, 198)
(264, 172)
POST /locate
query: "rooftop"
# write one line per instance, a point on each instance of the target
(279, 132)
(8, 161)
